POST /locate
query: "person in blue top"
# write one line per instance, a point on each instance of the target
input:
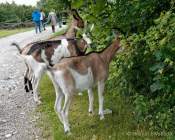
(36, 19)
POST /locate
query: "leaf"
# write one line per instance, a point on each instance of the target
(163, 41)
(158, 55)
(98, 7)
(77, 3)
(157, 67)
(156, 86)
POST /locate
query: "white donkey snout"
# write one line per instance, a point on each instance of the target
(87, 39)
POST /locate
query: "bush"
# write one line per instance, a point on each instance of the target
(15, 13)
(146, 73)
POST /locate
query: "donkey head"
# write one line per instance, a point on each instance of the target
(77, 18)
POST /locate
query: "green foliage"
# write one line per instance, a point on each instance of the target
(5, 32)
(129, 16)
(15, 13)
(57, 5)
(147, 70)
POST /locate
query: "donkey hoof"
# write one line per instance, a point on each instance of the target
(38, 102)
(102, 117)
(26, 89)
(91, 113)
(39, 97)
(68, 133)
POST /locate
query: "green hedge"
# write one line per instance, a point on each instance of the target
(146, 73)
(13, 13)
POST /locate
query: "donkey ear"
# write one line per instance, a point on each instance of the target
(73, 10)
(75, 14)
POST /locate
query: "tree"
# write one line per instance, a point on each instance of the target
(15, 13)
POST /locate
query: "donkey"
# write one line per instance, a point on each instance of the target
(75, 74)
(37, 60)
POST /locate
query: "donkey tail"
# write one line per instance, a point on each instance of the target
(17, 46)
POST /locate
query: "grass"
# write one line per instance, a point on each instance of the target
(59, 33)
(56, 34)
(119, 125)
(7, 32)
(116, 126)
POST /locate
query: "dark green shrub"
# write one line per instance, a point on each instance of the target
(146, 73)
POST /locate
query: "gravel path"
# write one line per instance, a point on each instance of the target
(17, 117)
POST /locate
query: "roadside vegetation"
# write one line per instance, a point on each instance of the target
(11, 13)
(12, 16)
(116, 126)
(7, 32)
(140, 89)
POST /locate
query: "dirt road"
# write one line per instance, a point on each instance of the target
(17, 117)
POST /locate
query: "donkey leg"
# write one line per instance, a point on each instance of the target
(30, 85)
(101, 99)
(30, 76)
(65, 113)
(35, 92)
(59, 96)
(25, 84)
(58, 104)
(38, 74)
(91, 100)
(26, 80)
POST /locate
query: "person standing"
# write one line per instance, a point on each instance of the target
(42, 19)
(53, 18)
(59, 20)
(36, 19)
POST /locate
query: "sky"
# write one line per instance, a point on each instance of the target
(26, 2)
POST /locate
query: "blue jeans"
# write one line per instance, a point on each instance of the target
(37, 26)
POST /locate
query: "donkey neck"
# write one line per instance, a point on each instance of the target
(108, 53)
(71, 33)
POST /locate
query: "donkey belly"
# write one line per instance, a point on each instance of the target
(82, 82)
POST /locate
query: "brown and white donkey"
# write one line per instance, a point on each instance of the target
(39, 55)
(75, 74)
